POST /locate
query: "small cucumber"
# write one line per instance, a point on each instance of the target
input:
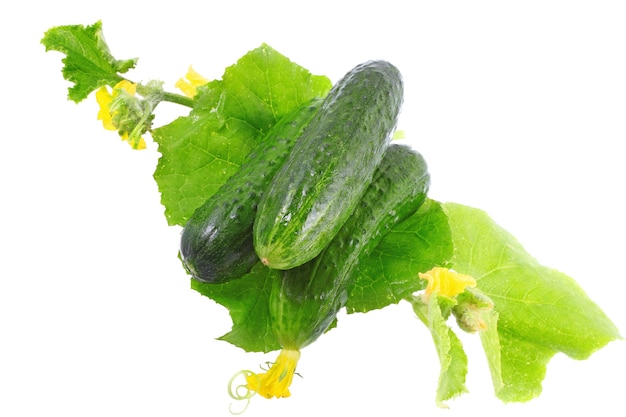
(330, 167)
(305, 300)
(216, 243)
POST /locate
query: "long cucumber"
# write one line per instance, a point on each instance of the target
(330, 167)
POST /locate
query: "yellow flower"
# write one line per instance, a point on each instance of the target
(105, 98)
(276, 381)
(446, 282)
(189, 85)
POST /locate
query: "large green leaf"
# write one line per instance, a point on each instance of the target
(88, 62)
(541, 311)
(200, 151)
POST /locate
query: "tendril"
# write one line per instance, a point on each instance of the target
(241, 392)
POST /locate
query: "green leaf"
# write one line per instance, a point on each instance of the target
(414, 245)
(541, 311)
(452, 358)
(264, 86)
(200, 151)
(88, 62)
(246, 299)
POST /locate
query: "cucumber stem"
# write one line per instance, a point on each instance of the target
(178, 99)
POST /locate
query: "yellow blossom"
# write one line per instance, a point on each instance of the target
(189, 85)
(104, 98)
(276, 381)
(446, 282)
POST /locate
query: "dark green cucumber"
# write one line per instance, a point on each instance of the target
(305, 300)
(330, 166)
(216, 243)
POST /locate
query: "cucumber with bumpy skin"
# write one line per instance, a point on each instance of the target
(330, 167)
(216, 243)
(305, 300)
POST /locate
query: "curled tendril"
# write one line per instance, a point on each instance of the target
(241, 392)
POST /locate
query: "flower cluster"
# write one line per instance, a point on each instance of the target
(121, 110)
(131, 116)
(472, 308)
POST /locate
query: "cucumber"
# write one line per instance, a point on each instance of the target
(331, 165)
(216, 243)
(305, 300)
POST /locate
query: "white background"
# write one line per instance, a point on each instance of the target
(519, 108)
